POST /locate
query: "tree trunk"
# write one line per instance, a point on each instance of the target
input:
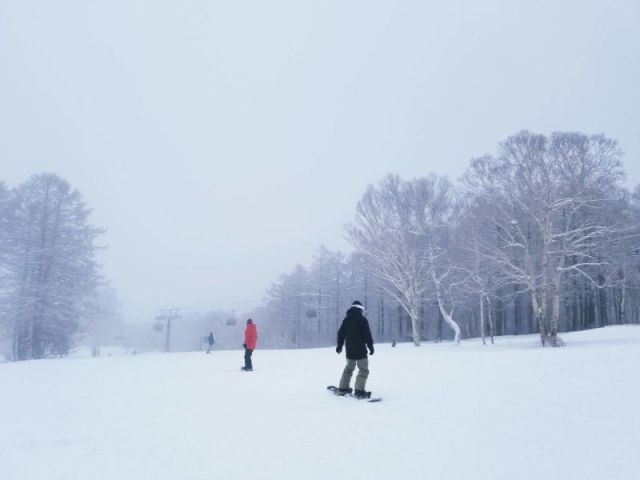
(623, 298)
(555, 313)
(517, 311)
(539, 311)
(602, 296)
(482, 319)
(448, 317)
(491, 329)
(415, 323)
(15, 343)
(381, 331)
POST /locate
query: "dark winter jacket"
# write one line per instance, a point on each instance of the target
(355, 332)
(210, 338)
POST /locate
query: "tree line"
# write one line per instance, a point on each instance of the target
(542, 237)
(51, 288)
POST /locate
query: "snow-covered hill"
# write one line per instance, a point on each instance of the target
(510, 411)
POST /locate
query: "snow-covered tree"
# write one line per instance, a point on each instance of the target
(51, 267)
(384, 232)
(541, 237)
(437, 221)
(399, 226)
(542, 200)
(481, 277)
(5, 231)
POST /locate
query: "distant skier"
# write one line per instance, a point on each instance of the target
(211, 342)
(356, 333)
(250, 340)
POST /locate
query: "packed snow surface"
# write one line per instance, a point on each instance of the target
(511, 411)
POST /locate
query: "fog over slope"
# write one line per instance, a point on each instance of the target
(222, 143)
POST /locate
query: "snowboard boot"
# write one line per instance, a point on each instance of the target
(246, 369)
(362, 394)
(344, 391)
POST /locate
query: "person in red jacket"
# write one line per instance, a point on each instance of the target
(250, 340)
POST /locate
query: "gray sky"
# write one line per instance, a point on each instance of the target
(221, 143)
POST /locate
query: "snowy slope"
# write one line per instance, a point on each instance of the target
(510, 411)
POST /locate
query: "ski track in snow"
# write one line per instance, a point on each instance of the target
(509, 411)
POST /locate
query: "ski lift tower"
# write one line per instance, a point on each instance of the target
(168, 315)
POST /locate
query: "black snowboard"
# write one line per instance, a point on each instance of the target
(333, 389)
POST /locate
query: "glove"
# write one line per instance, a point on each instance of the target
(370, 350)
(338, 350)
(244, 345)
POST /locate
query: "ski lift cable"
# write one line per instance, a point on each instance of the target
(221, 306)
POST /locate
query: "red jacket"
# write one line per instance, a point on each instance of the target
(251, 336)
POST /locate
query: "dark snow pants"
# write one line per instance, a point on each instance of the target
(363, 373)
(247, 358)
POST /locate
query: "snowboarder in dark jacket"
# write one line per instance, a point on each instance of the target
(355, 332)
(211, 341)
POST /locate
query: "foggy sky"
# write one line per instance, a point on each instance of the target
(221, 143)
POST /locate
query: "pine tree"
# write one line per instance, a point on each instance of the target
(50, 264)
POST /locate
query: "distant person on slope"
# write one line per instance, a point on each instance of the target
(211, 341)
(250, 339)
(356, 333)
